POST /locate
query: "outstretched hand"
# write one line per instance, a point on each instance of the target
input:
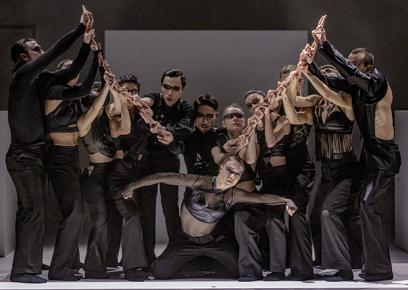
(86, 16)
(319, 34)
(165, 137)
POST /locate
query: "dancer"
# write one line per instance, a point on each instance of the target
(28, 146)
(333, 118)
(210, 199)
(371, 99)
(177, 115)
(61, 116)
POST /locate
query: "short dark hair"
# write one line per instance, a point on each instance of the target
(174, 73)
(368, 55)
(16, 49)
(129, 78)
(287, 69)
(233, 105)
(254, 91)
(206, 99)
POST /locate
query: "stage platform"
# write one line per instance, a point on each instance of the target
(399, 259)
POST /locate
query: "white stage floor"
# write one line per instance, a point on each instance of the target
(399, 258)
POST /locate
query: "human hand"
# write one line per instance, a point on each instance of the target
(291, 207)
(319, 34)
(86, 15)
(232, 146)
(127, 193)
(165, 137)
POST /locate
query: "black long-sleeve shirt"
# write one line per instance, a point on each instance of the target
(178, 119)
(25, 110)
(366, 89)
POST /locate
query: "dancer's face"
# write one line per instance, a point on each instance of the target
(171, 90)
(132, 89)
(33, 50)
(358, 60)
(230, 173)
(233, 119)
(253, 101)
(330, 72)
(205, 119)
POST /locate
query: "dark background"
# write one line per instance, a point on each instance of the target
(379, 25)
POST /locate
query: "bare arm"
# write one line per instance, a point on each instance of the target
(242, 196)
(274, 135)
(169, 178)
(84, 122)
(295, 117)
(343, 101)
(250, 152)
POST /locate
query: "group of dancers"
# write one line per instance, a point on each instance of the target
(241, 179)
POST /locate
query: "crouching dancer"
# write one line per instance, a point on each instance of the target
(210, 198)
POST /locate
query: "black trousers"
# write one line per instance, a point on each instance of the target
(376, 256)
(183, 249)
(133, 250)
(27, 172)
(247, 224)
(169, 200)
(328, 219)
(95, 191)
(64, 173)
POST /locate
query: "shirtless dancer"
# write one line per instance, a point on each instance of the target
(381, 160)
(211, 197)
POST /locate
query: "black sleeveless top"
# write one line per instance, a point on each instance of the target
(196, 204)
(64, 117)
(333, 137)
(98, 139)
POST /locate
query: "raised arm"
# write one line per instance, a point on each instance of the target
(344, 101)
(296, 117)
(274, 134)
(123, 125)
(236, 195)
(373, 83)
(250, 152)
(170, 178)
(67, 74)
(85, 121)
(61, 92)
(34, 67)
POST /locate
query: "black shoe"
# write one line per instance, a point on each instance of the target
(275, 276)
(96, 275)
(45, 267)
(340, 276)
(137, 275)
(27, 278)
(248, 278)
(376, 277)
(78, 266)
(299, 277)
(65, 275)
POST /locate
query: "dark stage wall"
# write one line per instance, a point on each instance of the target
(380, 25)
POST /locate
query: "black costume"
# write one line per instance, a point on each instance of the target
(333, 196)
(184, 248)
(125, 171)
(64, 171)
(197, 152)
(293, 180)
(179, 120)
(94, 190)
(380, 158)
(24, 158)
